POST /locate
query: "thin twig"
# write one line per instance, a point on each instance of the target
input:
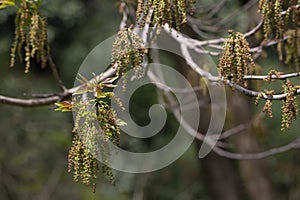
(210, 140)
(31, 102)
(124, 10)
(273, 77)
(255, 29)
(56, 74)
(42, 101)
(295, 144)
(234, 14)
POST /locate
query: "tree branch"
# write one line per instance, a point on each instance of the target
(211, 78)
(31, 102)
(295, 144)
(272, 77)
(52, 98)
(124, 11)
(56, 74)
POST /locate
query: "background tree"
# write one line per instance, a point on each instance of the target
(245, 56)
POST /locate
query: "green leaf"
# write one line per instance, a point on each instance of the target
(64, 106)
(4, 4)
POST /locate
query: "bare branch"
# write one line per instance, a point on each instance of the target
(273, 77)
(255, 29)
(234, 130)
(30, 102)
(184, 49)
(218, 6)
(234, 14)
(237, 129)
(186, 43)
(239, 88)
(295, 6)
(255, 93)
(195, 67)
(210, 140)
(56, 74)
(295, 144)
(51, 98)
(124, 10)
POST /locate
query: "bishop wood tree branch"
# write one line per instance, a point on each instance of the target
(294, 144)
(48, 99)
(187, 44)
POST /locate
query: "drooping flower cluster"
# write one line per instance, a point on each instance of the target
(127, 53)
(290, 108)
(30, 32)
(82, 162)
(236, 60)
(95, 126)
(272, 17)
(292, 47)
(164, 11)
(285, 25)
(268, 105)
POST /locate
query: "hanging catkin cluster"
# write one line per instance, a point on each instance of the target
(89, 141)
(282, 26)
(127, 53)
(290, 108)
(292, 47)
(108, 122)
(95, 125)
(272, 17)
(236, 59)
(82, 162)
(164, 11)
(30, 32)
